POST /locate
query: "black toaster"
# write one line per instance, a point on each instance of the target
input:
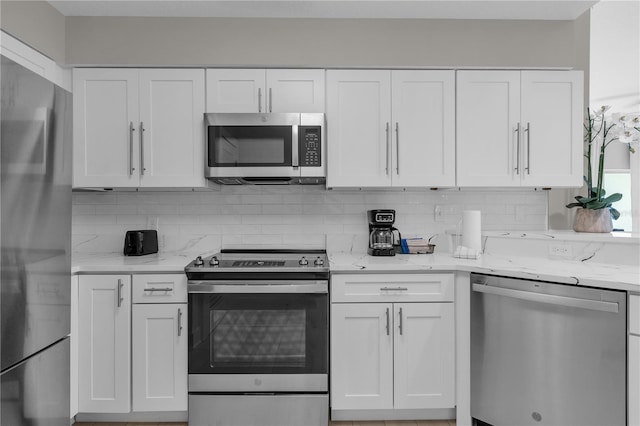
(139, 243)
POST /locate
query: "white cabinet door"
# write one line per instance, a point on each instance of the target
(358, 128)
(104, 336)
(105, 122)
(424, 353)
(171, 127)
(73, 356)
(634, 380)
(159, 357)
(423, 112)
(295, 90)
(551, 141)
(488, 113)
(361, 356)
(236, 90)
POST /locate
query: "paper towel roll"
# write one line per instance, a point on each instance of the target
(471, 230)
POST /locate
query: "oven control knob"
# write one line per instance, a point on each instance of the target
(319, 261)
(198, 261)
(303, 261)
(214, 261)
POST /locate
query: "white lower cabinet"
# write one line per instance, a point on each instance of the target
(393, 354)
(104, 343)
(159, 357)
(132, 343)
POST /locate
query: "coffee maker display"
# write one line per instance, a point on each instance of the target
(381, 237)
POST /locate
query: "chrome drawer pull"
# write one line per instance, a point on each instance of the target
(394, 289)
(158, 289)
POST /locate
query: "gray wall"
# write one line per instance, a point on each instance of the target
(249, 42)
(37, 24)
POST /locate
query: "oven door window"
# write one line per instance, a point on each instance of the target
(258, 333)
(250, 146)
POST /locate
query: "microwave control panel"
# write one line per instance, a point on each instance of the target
(309, 138)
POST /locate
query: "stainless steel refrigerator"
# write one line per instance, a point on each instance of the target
(35, 239)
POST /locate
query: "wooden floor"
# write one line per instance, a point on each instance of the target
(381, 423)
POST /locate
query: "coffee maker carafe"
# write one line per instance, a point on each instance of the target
(381, 232)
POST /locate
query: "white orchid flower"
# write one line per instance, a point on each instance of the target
(602, 110)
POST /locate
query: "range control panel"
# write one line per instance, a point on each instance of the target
(309, 150)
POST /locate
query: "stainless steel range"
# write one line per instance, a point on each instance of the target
(258, 338)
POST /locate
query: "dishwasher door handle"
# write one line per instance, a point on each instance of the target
(594, 305)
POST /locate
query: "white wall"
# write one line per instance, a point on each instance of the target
(37, 24)
(324, 43)
(288, 216)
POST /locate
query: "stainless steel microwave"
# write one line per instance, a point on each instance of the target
(274, 148)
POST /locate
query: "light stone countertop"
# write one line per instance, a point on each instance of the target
(621, 277)
(114, 263)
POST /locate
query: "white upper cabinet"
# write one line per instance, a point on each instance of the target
(552, 125)
(358, 128)
(390, 128)
(138, 128)
(423, 113)
(260, 90)
(519, 128)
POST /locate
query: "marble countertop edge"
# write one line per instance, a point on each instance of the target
(621, 277)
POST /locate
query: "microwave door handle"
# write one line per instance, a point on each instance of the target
(295, 142)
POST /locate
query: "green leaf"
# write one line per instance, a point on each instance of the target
(596, 205)
(613, 198)
(615, 214)
(584, 200)
(570, 205)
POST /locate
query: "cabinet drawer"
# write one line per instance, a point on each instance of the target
(160, 288)
(634, 314)
(392, 288)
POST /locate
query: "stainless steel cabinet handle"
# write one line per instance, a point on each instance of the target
(179, 321)
(142, 169)
(386, 169)
(387, 321)
(397, 149)
(393, 289)
(528, 149)
(270, 100)
(400, 326)
(119, 296)
(259, 99)
(596, 305)
(131, 130)
(158, 289)
(517, 168)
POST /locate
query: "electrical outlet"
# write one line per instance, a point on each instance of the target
(560, 250)
(440, 213)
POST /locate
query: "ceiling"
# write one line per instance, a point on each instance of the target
(371, 9)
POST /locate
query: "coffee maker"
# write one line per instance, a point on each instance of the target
(381, 238)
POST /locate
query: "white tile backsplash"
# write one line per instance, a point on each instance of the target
(291, 216)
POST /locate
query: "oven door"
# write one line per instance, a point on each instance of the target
(258, 337)
(252, 145)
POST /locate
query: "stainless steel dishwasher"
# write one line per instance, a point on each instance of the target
(547, 354)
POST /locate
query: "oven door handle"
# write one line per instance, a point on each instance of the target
(258, 287)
